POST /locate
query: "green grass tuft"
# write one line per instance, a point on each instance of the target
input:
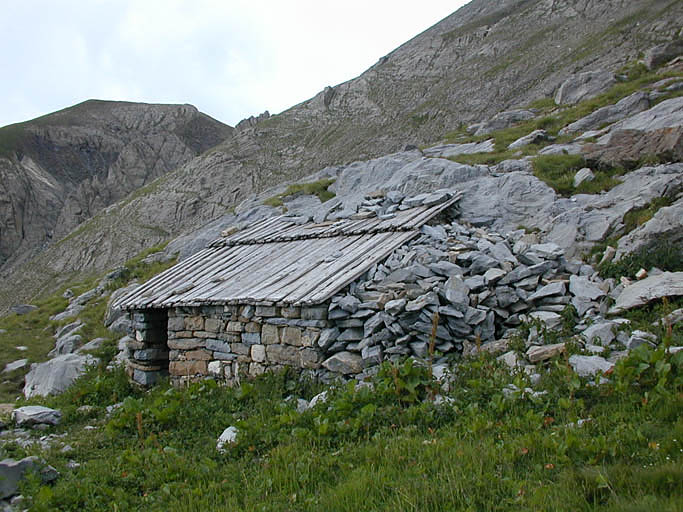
(662, 255)
(316, 188)
(558, 171)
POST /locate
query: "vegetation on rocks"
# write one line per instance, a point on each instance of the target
(558, 171)
(316, 188)
(663, 256)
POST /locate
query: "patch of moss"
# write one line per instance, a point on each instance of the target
(315, 188)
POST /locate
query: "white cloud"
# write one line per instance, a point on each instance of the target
(230, 58)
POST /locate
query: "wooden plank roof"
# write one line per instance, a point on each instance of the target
(279, 262)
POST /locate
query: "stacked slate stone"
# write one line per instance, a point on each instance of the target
(479, 285)
(148, 350)
(225, 342)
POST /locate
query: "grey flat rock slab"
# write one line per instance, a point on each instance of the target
(36, 414)
(666, 284)
(588, 366)
(15, 365)
(583, 86)
(467, 148)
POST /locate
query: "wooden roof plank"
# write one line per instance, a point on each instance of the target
(323, 293)
(251, 266)
(322, 274)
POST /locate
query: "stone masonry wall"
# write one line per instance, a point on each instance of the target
(147, 347)
(226, 342)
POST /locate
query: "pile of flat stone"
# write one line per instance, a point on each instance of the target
(381, 204)
(385, 205)
(452, 287)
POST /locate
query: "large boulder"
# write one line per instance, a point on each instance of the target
(66, 345)
(584, 86)
(666, 225)
(12, 471)
(55, 375)
(666, 284)
(30, 415)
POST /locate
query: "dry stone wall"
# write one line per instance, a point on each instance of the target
(227, 342)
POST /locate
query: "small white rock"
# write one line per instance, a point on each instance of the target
(229, 436)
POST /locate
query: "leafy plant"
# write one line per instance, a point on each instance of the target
(655, 372)
(408, 382)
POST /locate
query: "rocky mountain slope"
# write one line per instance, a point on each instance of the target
(482, 59)
(60, 169)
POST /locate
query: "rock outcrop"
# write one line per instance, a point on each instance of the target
(479, 61)
(61, 169)
(584, 86)
(667, 224)
(55, 375)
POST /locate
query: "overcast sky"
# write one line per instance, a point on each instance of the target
(231, 58)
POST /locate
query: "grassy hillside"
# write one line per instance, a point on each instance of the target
(30, 336)
(489, 439)
(580, 446)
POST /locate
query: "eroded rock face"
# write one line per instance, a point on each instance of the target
(667, 224)
(666, 284)
(633, 104)
(584, 86)
(627, 148)
(663, 53)
(73, 163)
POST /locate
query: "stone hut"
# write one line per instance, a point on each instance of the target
(259, 299)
